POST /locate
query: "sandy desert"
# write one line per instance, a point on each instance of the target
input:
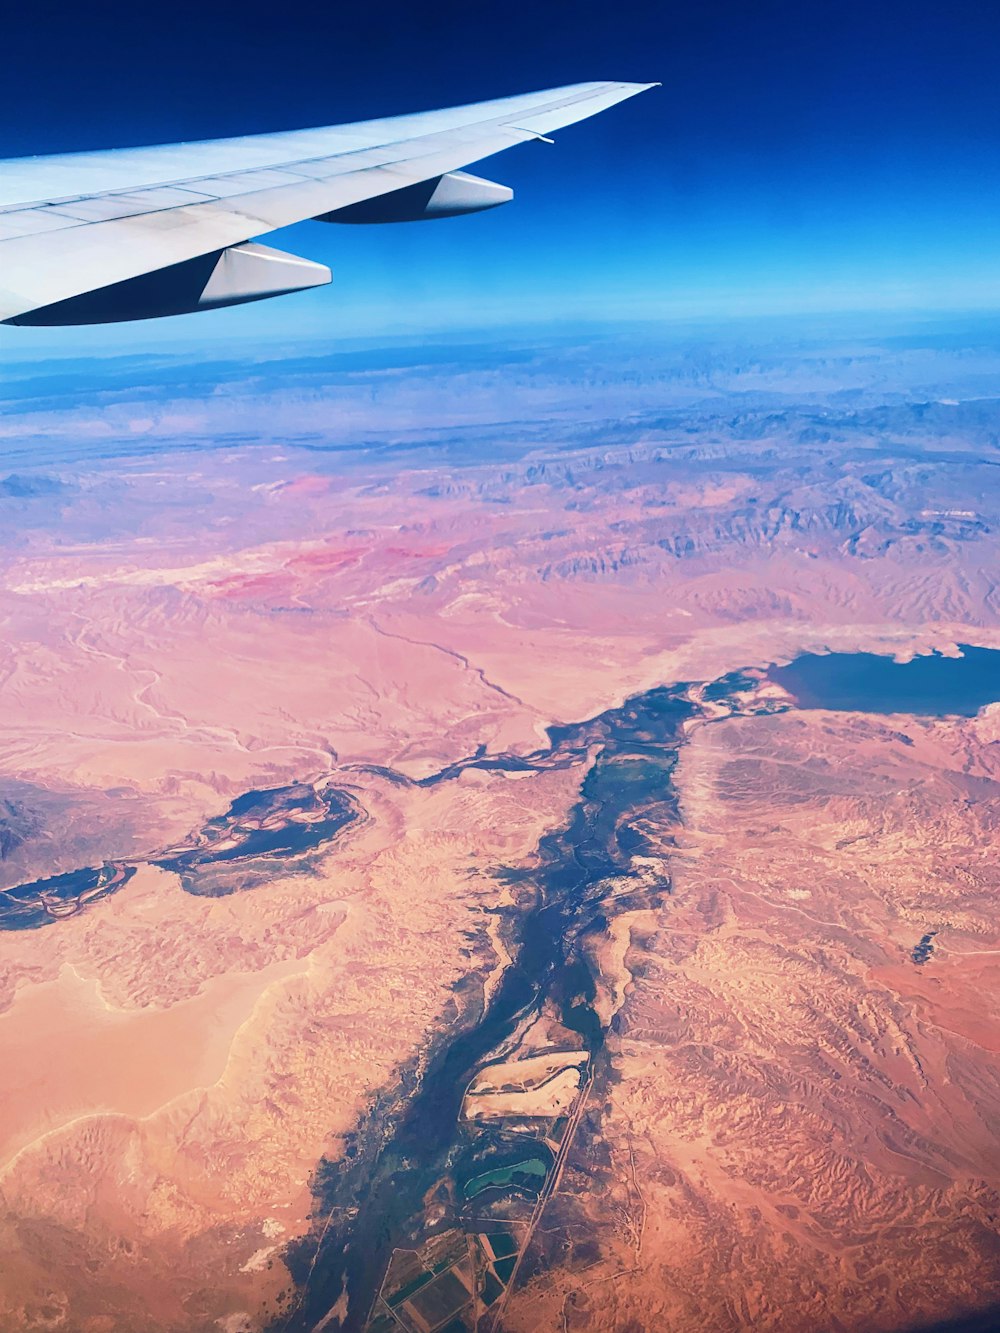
(307, 710)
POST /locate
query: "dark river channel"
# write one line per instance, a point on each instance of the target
(387, 1179)
(233, 852)
(374, 1195)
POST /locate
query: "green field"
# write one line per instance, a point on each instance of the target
(534, 1170)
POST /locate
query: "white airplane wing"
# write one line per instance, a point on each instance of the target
(141, 232)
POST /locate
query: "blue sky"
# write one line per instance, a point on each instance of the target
(806, 156)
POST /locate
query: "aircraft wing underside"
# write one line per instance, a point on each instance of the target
(133, 233)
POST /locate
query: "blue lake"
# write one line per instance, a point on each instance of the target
(935, 686)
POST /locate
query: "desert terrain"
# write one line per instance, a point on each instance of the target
(334, 689)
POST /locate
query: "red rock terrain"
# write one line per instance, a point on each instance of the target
(802, 1122)
(797, 1127)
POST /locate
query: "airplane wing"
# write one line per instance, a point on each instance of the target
(141, 232)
